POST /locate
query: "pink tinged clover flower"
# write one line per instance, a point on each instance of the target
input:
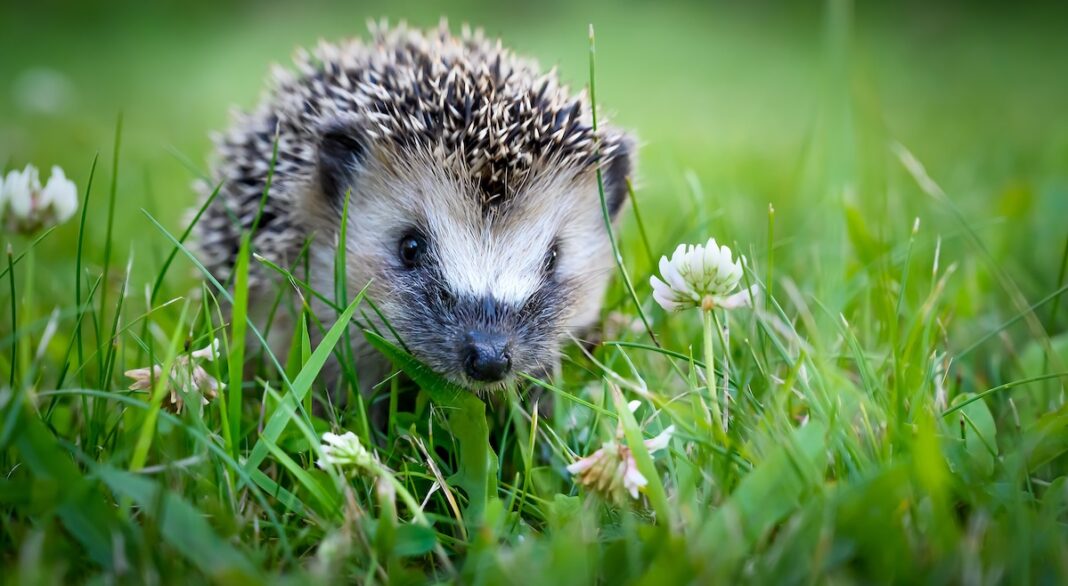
(703, 276)
(27, 207)
(187, 374)
(612, 472)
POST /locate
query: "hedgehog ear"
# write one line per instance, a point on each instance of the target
(616, 174)
(341, 153)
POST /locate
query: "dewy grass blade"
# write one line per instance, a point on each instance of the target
(658, 350)
(569, 396)
(298, 283)
(346, 355)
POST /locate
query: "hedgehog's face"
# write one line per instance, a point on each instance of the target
(479, 291)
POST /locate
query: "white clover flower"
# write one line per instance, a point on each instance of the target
(702, 276)
(343, 450)
(61, 194)
(18, 189)
(29, 206)
(612, 471)
(186, 375)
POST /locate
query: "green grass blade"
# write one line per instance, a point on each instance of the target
(256, 480)
(182, 525)
(160, 389)
(80, 506)
(328, 505)
(110, 224)
(33, 244)
(604, 204)
(477, 469)
(763, 498)
(302, 384)
(14, 317)
(238, 322)
(158, 284)
(224, 293)
(636, 443)
(79, 258)
(999, 388)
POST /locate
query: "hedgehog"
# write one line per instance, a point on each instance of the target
(463, 183)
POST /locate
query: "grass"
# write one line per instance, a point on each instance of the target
(895, 404)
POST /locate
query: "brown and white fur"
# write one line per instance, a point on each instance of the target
(473, 204)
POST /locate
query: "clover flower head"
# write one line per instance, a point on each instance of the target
(344, 450)
(30, 207)
(186, 375)
(612, 471)
(699, 275)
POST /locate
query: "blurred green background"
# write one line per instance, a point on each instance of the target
(737, 106)
(755, 103)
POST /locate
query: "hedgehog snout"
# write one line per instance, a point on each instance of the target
(486, 356)
(485, 346)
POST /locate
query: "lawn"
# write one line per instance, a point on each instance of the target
(896, 178)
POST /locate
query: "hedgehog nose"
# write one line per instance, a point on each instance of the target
(485, 356)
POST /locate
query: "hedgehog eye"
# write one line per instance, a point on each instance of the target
(550, 259)
(412, 250)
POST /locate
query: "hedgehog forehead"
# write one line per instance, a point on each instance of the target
(490, 128)
(483, 264)
(489, 115)
(499, 254)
